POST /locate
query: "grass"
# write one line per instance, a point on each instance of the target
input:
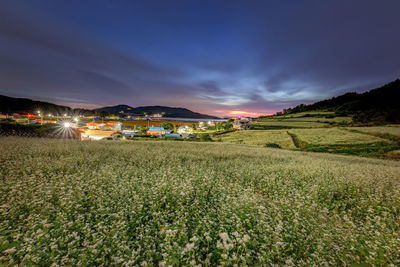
(393, 130)
(162, 203)
(334, 136)
(319, 119)
(301, 120)
(286, 124)
(259, 138)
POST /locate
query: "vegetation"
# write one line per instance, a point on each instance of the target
(378, 106)
(259, 138)
(10, 105)
(332, 140)
(150, 110)
(8, 128)
(277, 124)
(393, 130)
(334, 136)
(162, 203)
(301, 120)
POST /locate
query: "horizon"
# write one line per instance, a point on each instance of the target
(233, 59)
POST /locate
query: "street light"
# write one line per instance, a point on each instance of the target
(67, 124)
(76, 119)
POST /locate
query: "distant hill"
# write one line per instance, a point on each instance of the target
(9, 105)
(378, 105)
(149, 110)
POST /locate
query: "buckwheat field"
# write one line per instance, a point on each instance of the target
(186, 203)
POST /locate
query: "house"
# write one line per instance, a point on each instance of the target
(241, 123)
(113, 125)
(172, 135)
(109, 125)
(40, 121)
(16, 115)
(97, 134)
(158, 131)
(184, 130)
(3, 116)
(94, 125)
(129, 133)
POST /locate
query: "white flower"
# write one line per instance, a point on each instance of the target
(224, 237)
(246, 238)
(10, 250)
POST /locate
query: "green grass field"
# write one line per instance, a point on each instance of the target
(289, 124)
(334, 136)
(393, 130)
(301, 120)
(176, 203)
(259, 138)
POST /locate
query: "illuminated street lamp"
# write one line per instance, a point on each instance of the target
(76, 119)
(67, 125)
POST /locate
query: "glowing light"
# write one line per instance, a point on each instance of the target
(65, 115)
(76, 119)
(246, 113)
(67, 124)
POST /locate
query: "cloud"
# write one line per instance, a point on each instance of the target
(255, 57)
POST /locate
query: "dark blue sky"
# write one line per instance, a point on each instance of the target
(216, 57)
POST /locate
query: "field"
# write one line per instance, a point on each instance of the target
(259, 138)
(68, 202)
(334, 136)
(393, 130)
(288, 124)
(301, 120)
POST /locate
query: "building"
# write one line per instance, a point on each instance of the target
(184, 130)
(113, 125)
(98, 134)
(3, 116)
(40, 121)
(158, 131)
(94, 125)
(129, 133)
(172, 135)
(241, 123)
(109, 125)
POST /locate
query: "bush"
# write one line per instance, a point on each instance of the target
(273, 145)
(205, 137)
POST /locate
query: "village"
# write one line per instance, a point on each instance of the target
(96, 128)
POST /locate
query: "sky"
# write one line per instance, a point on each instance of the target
(215, 57)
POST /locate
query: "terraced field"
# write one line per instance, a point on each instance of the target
(290, 124)
(259, 138)
(334, 136)
(393, 130)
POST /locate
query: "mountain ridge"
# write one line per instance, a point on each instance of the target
(11, 105)
(379, 104)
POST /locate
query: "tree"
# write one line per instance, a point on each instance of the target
(167, 125)
(143, 129)
(104, 114)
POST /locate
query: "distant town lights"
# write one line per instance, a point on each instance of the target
(76, 119)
